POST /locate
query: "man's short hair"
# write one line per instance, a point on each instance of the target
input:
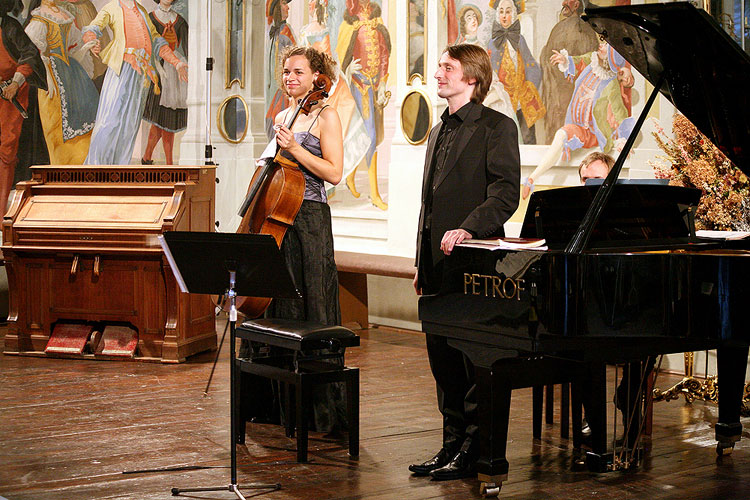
(594, 156)
(475, 63)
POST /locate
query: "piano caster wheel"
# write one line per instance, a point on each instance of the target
(490, 490)
(724, 449)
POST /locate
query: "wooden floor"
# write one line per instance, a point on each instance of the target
(73, 429)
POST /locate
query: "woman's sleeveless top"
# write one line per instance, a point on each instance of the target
(314, 186)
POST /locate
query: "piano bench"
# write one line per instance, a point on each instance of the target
(300, 361)
(575, 414)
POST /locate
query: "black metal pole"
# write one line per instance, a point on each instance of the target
(233, 416)
(232, 375)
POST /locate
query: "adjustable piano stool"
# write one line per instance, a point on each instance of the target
(303, 356)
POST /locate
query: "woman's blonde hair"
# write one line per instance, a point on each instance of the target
(319, 62)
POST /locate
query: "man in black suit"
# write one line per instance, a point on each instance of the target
(471, 187)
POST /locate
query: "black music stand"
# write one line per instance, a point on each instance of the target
(231, 264)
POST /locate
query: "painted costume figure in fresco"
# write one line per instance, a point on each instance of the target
(469, 19)
(416, 38)
(280, 36)
(68, 108)
(21, 68)
(364, 49)
(577, 37)
(85, 13)
(599, 111)
(516, 68)
(317, 35)
(130, 59)
(167, 111)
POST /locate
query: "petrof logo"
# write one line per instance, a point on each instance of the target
(493, 286)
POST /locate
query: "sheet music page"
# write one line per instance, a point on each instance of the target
(722, 235)
(506, 243)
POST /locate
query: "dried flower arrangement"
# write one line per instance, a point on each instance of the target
(692, 160)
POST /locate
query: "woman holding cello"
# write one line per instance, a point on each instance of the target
(315, 143)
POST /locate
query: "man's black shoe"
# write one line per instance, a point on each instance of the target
(439, 460)
(459, 467)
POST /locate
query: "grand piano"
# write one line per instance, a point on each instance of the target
(624, 275)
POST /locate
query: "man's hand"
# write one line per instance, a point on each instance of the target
(96, 47)
(354, 67)
(416, 287)
(556, 58)
(182, 71)
(10, 91)
(625, 77)
(452, 238)
(91, 45)
(380, 98)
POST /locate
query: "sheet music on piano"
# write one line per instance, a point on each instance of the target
(506, 243)
(722, 235)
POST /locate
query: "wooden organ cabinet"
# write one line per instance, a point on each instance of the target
(80, 248)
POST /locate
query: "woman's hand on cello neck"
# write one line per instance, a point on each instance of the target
(330, 167)
(285, 139)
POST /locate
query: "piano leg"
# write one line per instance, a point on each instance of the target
(731, 361)
(494, 373)
(493, 398)
(594, 397)
(537, 397)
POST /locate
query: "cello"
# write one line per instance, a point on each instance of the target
(275, 195)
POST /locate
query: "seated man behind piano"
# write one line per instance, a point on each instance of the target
(471, 187)
(596, 165)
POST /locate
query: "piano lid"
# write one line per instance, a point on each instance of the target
(707, 73)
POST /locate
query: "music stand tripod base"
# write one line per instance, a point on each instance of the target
(235, 264)
(232, 487)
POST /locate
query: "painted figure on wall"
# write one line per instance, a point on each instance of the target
(416, 37)
(21, 67)
(85, 13)
(469, 19)
(68, 108)
(280, 36)
(167, 111)
(130, 59)
(599, 111)
(579, 38)
(316, 34)
(364, 48)
(516, 68)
